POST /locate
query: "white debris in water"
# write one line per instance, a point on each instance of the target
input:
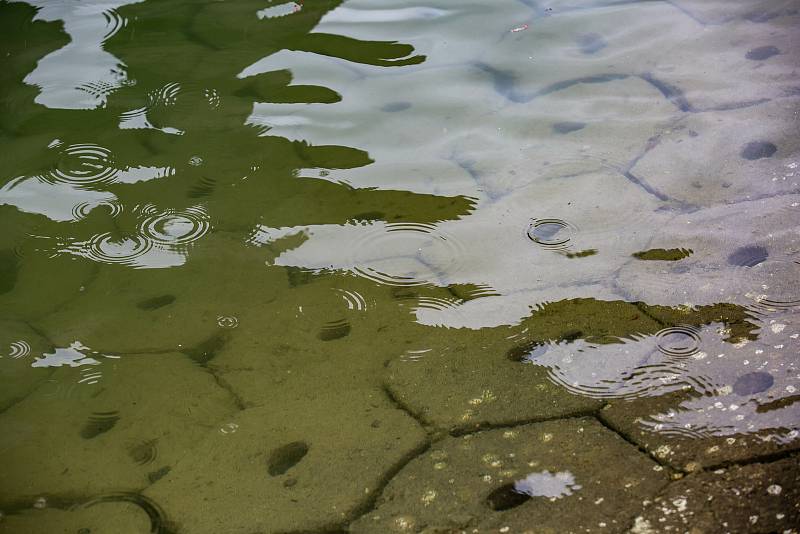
(777, 328)
(546, 484)
(229, 428)
(642, 526)
(663, 451)
(774, 489)
(680, 504)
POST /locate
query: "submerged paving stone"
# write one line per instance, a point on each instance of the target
(721, 11)
(250, 474)
(92, 429)
(20, 346)
(448, 254)
(27, 288)
(724, 401)
(564, 359)
(94, 517)
(164, 309)
(573, 475)
(33, 291)
(466, 389)
(755, 151)
(741, 253)
(689, 449)
(588, 139)
(751, 498)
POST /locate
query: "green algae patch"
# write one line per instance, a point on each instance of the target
(663, 254)
(582, 253)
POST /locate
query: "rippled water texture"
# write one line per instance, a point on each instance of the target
(341, 265)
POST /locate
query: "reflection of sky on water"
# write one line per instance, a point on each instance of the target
(732, 388)
(446, 128)
(82, 74)
(547, 484)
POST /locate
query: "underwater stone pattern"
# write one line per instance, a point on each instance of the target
(106, 435)
(289, 470)
(751, 498)
(567, 472)
(228, 462)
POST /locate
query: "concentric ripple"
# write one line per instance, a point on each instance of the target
(227, 321)
(158, 521)
(334, 330)
(19, 349)
(407, 254)
(165, 96)
(778, 285)
(174, 228)
(353, 300)
(83, 209)
(553, 234)
(144, 452)
(114, 23)
(438, 303)
(679, 341)
(83, 165)
(107, 248)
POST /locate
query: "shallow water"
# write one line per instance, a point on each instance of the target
(353, 266)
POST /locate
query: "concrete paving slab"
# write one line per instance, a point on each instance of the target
(558, 476)
(91, 429)
(165, 309)
(756, 155)
(95, 517)
(310, 466)
(752, 498)
(740, 254)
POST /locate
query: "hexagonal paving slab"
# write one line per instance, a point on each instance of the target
(559, 476)
(750, 498)
(92, 429)
(308, 466)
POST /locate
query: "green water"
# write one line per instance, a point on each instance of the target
(358, 266)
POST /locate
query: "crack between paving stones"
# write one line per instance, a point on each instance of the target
(222, 383)
(427, 426)
(371, 503)
(641, 449)
(766, 458)
(484, 427)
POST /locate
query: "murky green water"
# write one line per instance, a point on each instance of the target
(508, 266)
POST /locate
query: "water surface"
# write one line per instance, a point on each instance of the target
(330, 265)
